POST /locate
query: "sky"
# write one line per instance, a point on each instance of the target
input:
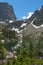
(22, 8)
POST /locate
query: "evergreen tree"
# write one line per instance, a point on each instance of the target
(2, 51)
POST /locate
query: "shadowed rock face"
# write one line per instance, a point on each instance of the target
(6, 12)
(38, 14)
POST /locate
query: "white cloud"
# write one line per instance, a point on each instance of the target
(28, 16)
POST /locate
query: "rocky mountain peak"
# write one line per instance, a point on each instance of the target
(6, 12)
(38, 16)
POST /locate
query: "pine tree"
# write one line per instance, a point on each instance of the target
(2, 51)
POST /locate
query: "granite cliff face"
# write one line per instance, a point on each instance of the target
(6, 12)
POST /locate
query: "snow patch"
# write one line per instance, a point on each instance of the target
(29, 15)
(16, 29)
(11, 21)
(24, 24)
(35, 25)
